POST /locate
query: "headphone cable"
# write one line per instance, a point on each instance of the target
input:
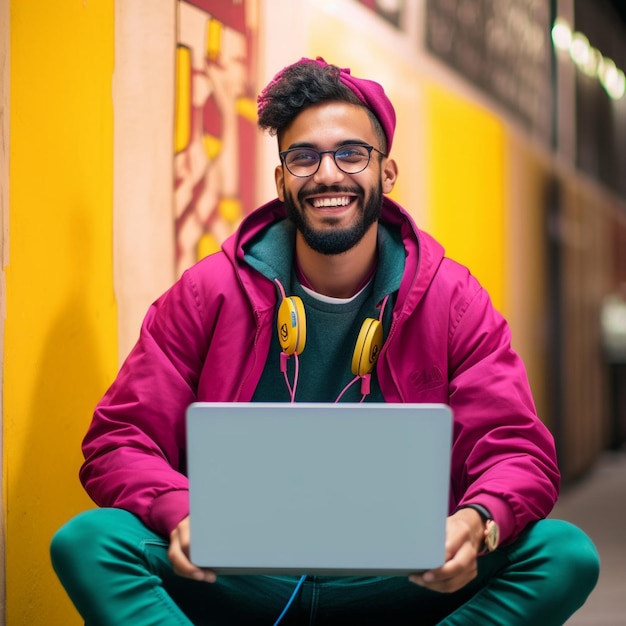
(293, 595)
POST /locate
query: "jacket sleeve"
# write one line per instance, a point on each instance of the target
(134, 447)
(503, 455)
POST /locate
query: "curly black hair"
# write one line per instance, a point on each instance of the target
(299, 86)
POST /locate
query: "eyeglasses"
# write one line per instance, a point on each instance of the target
(350, 159)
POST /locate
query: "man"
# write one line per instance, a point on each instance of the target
(339, 251)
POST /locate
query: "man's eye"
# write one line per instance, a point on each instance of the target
(351, 154)
(304, 157)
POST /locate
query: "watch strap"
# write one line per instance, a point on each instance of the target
(480, 509)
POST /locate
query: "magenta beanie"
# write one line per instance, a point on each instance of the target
(369, 92)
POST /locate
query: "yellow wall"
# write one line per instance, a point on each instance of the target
(60, 332)
(465, 158)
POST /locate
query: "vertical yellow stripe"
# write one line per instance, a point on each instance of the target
(61, 328)
(214, 31)
(182, 119)
(466, 186)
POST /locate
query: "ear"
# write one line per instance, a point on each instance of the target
(279, 179)
(390, 175)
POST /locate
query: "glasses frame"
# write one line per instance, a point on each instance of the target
(321, 153)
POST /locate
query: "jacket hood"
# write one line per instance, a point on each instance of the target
(423, 255)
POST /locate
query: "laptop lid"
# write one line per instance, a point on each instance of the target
(326, 489)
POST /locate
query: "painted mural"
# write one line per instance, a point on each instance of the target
(215, 124)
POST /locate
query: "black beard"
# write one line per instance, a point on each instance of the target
(336, 241)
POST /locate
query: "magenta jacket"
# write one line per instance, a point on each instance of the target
(207, 339)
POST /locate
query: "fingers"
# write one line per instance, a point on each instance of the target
(178, 554)
(452, 576)
(461, 565)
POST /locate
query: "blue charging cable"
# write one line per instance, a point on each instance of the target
(293, 595)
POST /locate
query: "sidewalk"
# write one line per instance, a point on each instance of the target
(597, 504)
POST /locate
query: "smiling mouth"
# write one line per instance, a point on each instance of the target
(337, 201)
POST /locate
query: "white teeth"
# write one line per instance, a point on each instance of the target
(323, 202)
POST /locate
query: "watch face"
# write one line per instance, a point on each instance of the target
(492, 535)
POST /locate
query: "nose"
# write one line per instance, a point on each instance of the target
(328, 170)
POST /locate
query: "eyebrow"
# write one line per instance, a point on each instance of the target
(343, 142)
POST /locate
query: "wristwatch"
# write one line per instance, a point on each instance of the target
(491, 538)
(492, 535)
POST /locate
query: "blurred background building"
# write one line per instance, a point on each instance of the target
(128, 149)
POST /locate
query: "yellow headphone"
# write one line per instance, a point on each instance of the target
(291, 324)
(367, 347)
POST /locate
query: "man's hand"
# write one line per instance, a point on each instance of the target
(464, 539)
(178, 554)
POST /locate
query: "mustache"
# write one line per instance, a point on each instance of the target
(328, 189)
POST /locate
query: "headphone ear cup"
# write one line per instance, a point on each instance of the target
(367, 347)
(291, 325)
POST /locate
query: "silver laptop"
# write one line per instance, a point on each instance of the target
(326, 489)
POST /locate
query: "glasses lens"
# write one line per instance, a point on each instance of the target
(302, 162)
(352, 159)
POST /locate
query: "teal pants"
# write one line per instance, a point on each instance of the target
(116, 572)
